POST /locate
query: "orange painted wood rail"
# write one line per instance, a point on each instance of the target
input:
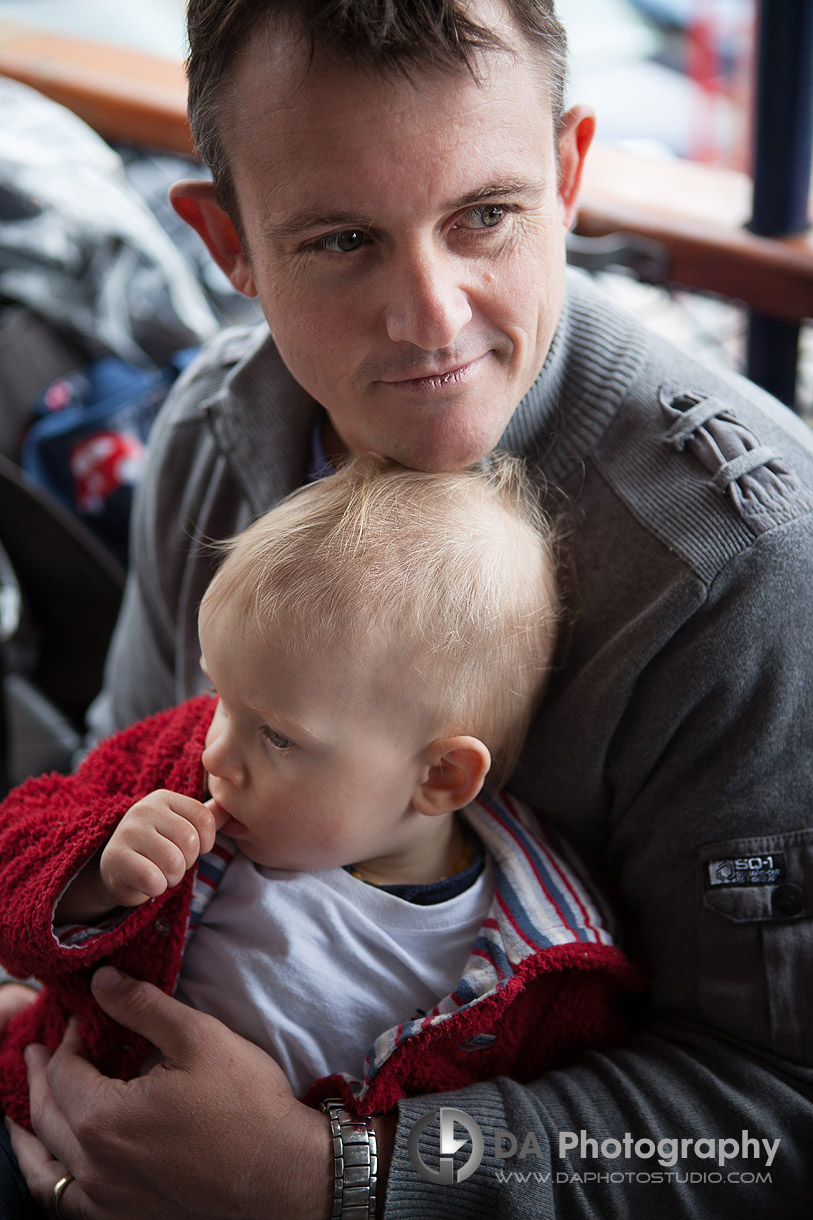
(697, 213)
(122, 94)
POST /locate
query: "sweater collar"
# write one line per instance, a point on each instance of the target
(263, 419)
(596, 353)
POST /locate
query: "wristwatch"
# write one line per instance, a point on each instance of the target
(355, 1160)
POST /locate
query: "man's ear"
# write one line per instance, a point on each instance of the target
(455, 771)
(578, 129)
(195, 202)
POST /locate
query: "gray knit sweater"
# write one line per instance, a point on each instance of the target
(673, 748)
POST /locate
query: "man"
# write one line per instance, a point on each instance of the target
(395, 184)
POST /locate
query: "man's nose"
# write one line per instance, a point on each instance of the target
(426, 303)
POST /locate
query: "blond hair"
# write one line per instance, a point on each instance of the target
(449, 579)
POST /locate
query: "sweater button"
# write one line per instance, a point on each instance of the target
(787, 900)
(163, 927)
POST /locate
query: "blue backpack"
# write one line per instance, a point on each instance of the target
(88, 440)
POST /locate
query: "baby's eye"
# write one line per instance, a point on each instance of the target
(278, 740)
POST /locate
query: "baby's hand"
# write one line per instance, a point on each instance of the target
(154, 844)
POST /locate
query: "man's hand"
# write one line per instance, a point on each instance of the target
(156, 841)
(213, 1131)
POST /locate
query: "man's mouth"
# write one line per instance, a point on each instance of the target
(432, 382)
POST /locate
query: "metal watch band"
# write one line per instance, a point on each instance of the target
(355, 1159)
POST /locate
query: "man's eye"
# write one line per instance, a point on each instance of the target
(278, 740)
(486, 217)
(343, 243)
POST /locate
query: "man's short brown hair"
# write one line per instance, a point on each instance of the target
(388, 36)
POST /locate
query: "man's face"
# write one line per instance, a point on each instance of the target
(406, 239)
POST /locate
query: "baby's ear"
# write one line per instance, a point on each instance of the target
(455, 770)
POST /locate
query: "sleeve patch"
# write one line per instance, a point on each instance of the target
(761, 488)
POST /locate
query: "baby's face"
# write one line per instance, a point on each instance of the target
(314, 768)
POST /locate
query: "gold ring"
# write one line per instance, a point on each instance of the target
(57, 1193)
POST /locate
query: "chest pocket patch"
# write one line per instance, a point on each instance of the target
(756, 940)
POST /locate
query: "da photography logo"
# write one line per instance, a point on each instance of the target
(446, 1174)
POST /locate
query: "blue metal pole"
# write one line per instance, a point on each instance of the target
(783, 138)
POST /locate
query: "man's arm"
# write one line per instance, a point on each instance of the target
(186, 498)
(656, 1128)
(138, 674)
(710, 760)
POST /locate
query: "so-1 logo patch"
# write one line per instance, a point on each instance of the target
(745, 870)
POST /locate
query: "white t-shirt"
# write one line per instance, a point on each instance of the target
(312, 967)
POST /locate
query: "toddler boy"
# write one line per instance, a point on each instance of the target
(309, 855)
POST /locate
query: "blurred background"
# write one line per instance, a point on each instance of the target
(667, 78)
(671, 76)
